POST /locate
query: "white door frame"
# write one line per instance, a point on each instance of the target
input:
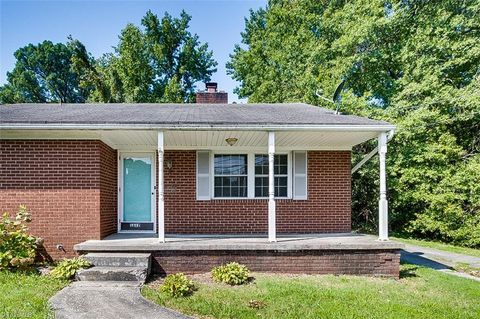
(121, 156)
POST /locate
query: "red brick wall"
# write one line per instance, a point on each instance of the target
(212, 97)
(108, 194)
(385, 263)
(328, 208)
(65, 186)
(70, 187)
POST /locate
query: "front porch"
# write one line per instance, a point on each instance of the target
(344, 253)
(90, 171)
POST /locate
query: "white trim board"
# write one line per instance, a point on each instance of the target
(243, 149)
(200, 127)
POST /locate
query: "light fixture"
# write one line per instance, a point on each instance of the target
(168, 164)
(231, 141)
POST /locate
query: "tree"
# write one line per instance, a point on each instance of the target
(132, 66)
(413, 63)
(160, 62)
(43, 73)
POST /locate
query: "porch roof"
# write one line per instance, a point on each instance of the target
(181, 116)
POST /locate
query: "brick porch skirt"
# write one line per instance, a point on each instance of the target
(382, 263)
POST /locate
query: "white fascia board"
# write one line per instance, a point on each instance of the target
(201, 127)
(241, 149)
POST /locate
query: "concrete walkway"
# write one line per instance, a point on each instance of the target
(107, 300)
(439, 260)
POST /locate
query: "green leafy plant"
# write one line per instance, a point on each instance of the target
(67, 268)
(177, 285)
(17, 247)
(232, 273)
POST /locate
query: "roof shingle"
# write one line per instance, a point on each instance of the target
(281, 114)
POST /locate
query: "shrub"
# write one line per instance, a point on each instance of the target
(232, 273)
(67, 268)
(17, 247)
(177, 285)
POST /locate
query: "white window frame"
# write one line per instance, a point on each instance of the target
(212, 172)
(250, 174)
(289, 175)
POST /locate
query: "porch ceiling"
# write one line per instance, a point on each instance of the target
(147, 139)
(259, 139)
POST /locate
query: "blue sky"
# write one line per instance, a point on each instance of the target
(98, 23)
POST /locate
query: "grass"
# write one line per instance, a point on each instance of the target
(25, 295)
(440, 246)
(467, 268)
(420, 293)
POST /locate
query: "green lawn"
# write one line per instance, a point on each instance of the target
(25, 295)
(420, 293)
(439, 246)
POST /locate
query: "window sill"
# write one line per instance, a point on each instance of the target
(248, 198)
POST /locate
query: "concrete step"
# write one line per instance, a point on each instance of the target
(99, 284)
(119, 259)
(137, 274)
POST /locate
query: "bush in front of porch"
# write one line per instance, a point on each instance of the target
(17, 247)
(24, 290)
(177, 285)
(232, 273)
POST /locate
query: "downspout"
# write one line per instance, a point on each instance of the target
(367, 157)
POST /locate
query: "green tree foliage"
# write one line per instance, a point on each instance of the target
(414, 63)
(159, 62)
(43, 73)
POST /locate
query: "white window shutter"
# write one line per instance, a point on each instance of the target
(299, 175)
(203, 175)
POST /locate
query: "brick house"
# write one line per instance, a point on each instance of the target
(162, 171)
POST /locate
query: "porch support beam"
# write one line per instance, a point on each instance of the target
(161, 202)
(382, 203)
(365, 159)
(272, 233)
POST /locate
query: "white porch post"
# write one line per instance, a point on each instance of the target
(382, 203)
(161, 205)
(272, 233)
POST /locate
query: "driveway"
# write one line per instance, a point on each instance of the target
(439, 260)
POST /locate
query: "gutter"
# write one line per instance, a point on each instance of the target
(367, 157)
(200, 127)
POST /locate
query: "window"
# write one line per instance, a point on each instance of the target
(230, 175)
(223, 175)
(280, 170)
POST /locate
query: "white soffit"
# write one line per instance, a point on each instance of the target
(147, 139)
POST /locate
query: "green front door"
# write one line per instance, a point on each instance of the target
(138, 193)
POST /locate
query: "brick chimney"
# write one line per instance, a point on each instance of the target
(211, 95)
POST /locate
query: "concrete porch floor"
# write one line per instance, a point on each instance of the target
(150, 242)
